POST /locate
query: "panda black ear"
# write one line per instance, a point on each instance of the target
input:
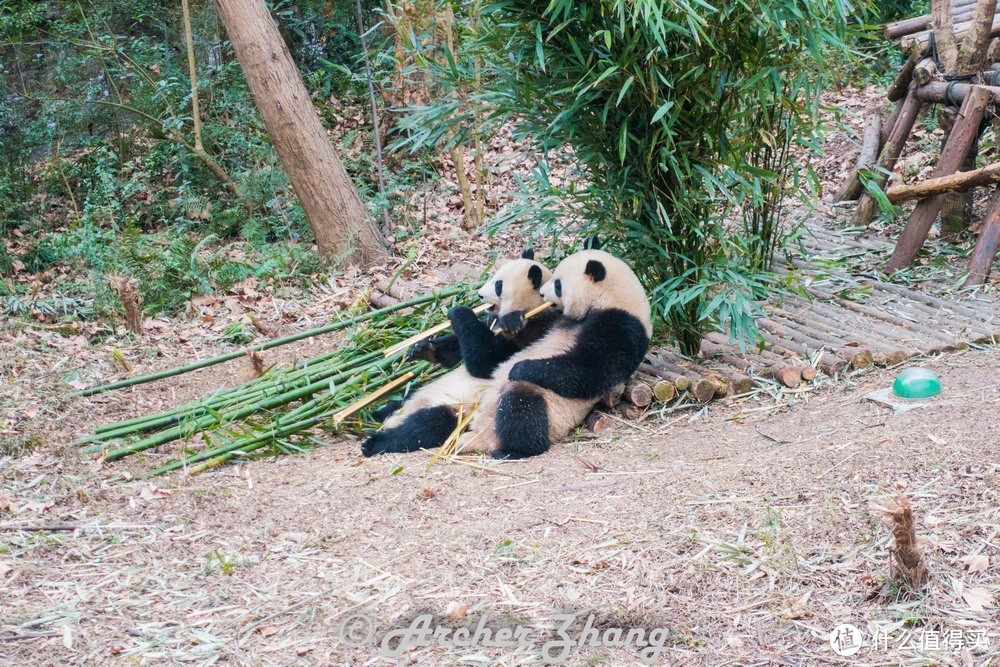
(593, 243)
(535, 275)
(596, 270)
(528, 253)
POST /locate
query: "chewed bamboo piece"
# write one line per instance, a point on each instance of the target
(371, 398)
(450, 445)
(437, 328)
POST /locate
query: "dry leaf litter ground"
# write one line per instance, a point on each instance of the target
(747, 530)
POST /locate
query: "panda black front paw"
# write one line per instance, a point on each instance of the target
(460, 315)
(512, 324)
(423, 349)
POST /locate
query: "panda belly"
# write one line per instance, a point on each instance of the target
(539, 414)
(457, 389)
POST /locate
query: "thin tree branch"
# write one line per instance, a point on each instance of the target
(195, 112)
(205, 158)
(386, 229)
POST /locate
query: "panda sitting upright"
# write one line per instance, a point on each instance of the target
(427, 418)
(540, 394)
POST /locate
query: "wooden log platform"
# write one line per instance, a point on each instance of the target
(842, 324)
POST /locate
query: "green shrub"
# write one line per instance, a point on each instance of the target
(679, 118)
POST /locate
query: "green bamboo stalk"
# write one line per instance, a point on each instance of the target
(204, 423)
(199, 410)
(239, 444)
(228, 399)
(306, 416)
(434, 296)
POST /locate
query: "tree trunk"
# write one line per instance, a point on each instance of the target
(339, 220)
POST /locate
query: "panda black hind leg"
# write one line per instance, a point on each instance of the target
(424, 429)
(521, 423)
(384, 412)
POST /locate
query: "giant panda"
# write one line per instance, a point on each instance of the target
(541, 393)
(427, 418)
(510, 293)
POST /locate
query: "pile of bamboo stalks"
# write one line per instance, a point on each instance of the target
(278, 409)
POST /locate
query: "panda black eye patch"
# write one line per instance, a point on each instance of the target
(558, 287)
(498, 287)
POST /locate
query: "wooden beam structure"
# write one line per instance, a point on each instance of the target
(986, 247)
(867, 206)
(962, 136)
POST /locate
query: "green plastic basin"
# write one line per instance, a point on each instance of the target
(916, 383)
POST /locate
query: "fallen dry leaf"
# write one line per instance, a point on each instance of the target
(976, 562)
(5, 503)
(456, 610)
(799, 608)
(30, 411)
(36, 506)
(5, 568)
(977, 598)
(152, 492)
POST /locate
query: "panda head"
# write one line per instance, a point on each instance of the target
(594, 280)
(515, 286)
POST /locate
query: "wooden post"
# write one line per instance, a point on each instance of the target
(986, 246)
(890, 153)
(924, 71)
(901, 84)
(962, 136)
(956, 214)
(890, 122)
(870, 141)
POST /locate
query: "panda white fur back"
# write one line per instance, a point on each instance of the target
(426, 418)
(543, 392)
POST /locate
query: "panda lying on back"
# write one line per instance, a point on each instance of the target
(428, 417)
(543, 392)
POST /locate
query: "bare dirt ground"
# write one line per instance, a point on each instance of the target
(746, 531)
